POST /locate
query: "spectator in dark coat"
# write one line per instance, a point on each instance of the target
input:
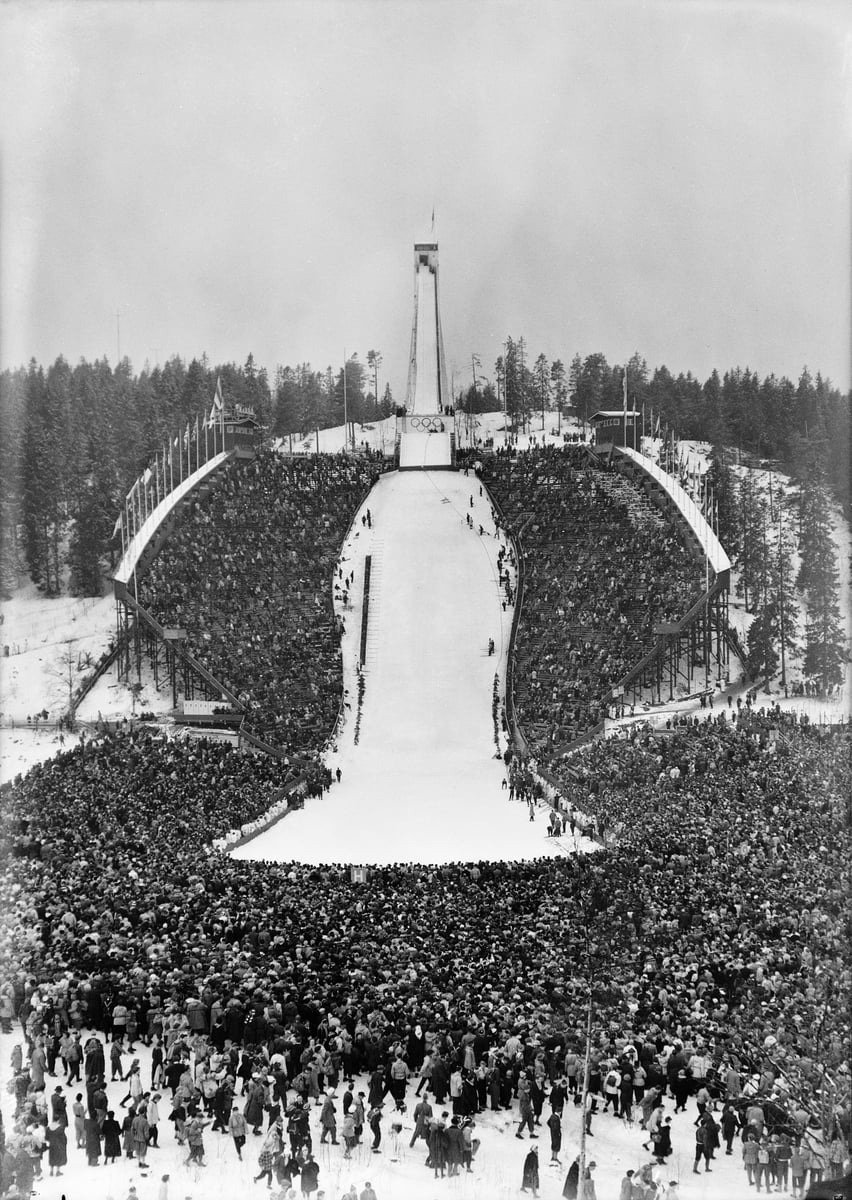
(530, 1175)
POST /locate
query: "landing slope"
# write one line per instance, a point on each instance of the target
(422, 784)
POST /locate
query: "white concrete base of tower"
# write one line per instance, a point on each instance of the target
(425, 450)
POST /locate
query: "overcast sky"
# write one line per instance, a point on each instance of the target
(231, 177)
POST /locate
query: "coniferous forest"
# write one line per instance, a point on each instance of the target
(74, 439)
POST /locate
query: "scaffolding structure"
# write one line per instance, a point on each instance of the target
(139, 635)
(692, 656)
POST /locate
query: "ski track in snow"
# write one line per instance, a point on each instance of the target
(423, 783)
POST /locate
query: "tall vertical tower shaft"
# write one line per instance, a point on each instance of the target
(427, 390)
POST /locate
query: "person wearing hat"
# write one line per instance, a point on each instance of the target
(455, 1146)
(554, 1124)
(152, 1112)
(59, 1107)
(662, 1140)
(374, 1120)
(530, 1178)
(328, 1120)
(358, 1116)
(111, 1131)
(57, 1147)
(195, 1139)
(269, 1151)
(572, 1179)
(237, 1128)
(525, 1107)
(469, 1143)
(437, 1158)
(310, 1175)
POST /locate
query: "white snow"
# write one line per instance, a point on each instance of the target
(425, 450)
(39, 632)
(423, 783)
(397, 1172)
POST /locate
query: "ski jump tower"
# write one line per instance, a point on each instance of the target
(426, 435)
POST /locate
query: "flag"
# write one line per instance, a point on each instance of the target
(657, 428)
(116, 529)
(217, 412)
(625, 391)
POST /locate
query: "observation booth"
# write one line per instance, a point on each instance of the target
(615, 427)
(241, 430)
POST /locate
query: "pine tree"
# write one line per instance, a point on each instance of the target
(560, 388)
(814, 518)
(541, 375)
(763, 658)
(722, 483)
(755, 577)
(13, 390)
(771, 635)
(752, 556)
(513, 383)
(784, 587)
(825, 643)
(42, 481)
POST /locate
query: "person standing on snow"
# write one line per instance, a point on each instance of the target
(554, 1124)
(530, 1178)
(237, 1128)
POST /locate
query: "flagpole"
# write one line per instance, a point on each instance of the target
(221, 401)
(345, 407)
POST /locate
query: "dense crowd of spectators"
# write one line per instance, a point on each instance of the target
(602, 568)
(723, 907)
(711, 929)
(248, 573)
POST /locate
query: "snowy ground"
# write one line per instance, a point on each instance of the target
(39, 633)
(425, 450)
(423, 783)
(397, 1172)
